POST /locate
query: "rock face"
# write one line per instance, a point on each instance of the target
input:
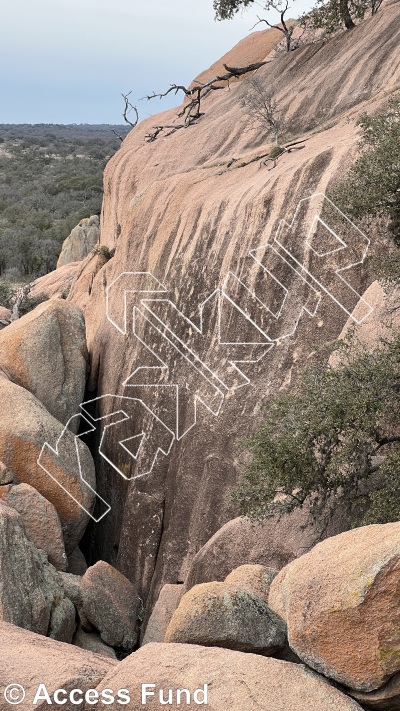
(63, 622)
(76, 563)
(340, 603)
(29, 586)
(72, 585)
(45, 352)
(25, 426)
(168, 601)
(221, 615)
(382, 323)
(180, 210)
(259, 684)
(111, 604)
(41, 521)
(92, 642)
(56, 284)
(80, 242)
(6, 476)
(386, 698)
(30, 660)
(272, 543)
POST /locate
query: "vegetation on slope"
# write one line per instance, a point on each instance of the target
(335, 440)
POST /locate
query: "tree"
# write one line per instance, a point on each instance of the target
(332, 15)
(226, 9)
(260, 103)
(334, 441)
(372, 185)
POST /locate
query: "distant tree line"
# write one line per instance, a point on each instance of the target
(50, 178)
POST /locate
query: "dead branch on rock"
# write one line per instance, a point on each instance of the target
(278, 151)
(118, 135)
(272, 155)
(128, 108)
(191, 110)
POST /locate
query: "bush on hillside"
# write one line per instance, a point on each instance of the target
(372, 185)
(331, 442)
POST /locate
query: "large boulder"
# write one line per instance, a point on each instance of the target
(30, 590)
(92, 642)
(386, 698)
(111, 604)
(341, 605)
(272, 543)
(45, 352)
(256, 579)
(234, 682)
(25, 427)
(40, 518)
(32, 660)
(220, 615)
(168, 601)
(80, 242)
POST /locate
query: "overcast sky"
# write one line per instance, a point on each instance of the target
(67, 61)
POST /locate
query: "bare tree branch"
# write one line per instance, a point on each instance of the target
(128, 108)
(117, 134)
(191, 109)
(282, 27)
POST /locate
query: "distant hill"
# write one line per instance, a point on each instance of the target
(50, 178)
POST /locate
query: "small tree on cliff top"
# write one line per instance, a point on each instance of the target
(226, 9)
(335, 14)
(334, 441)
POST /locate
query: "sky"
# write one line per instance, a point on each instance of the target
(68, 61)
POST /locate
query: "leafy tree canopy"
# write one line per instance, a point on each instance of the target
(334, 441)
(372, 185)
(226, 9)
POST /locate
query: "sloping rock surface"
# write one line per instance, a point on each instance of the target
(31, 660)
(235, 681)
(56, 284)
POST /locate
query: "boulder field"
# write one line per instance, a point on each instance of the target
(188, 214)
(310, 636)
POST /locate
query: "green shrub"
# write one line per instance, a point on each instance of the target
(102, 251)
(6, 293)
(372, 185)
(330, 442)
